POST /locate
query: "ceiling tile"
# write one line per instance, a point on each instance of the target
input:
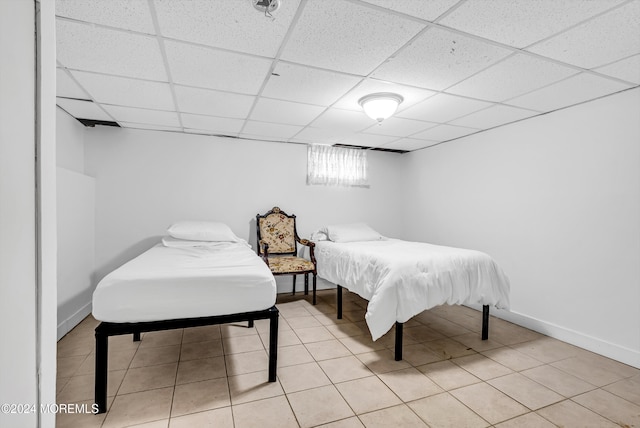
(427, 10)
(90, 48)
(398, 127)
(215, 69)
(369, 86)
(343, 120)
(269, 130)
(573, 90)
(605, 39)
(438, 59)
(67, 87)
(126, 92)
(443, 108)
(368, 140)
(284, 112)
(309, 85)
(125, 14)
(213, 103)
(218, 125)
(149, 126)
(444, 133)
(520, 23)
(138, 115)
(627, 69)
(493, 116)
(82, 109)
(516, 75)
(409, 144)
(346, 36)
(226, 24)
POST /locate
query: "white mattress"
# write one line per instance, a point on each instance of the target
(401, 279)
(185, 282)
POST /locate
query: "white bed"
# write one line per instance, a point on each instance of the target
(401, 279)
(185, 280)
(201, 274)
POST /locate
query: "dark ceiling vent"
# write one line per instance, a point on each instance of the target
(378, 149)
(93, 122)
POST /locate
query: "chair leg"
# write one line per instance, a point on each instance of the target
(314, 288)
(294, 285)
(306, 284)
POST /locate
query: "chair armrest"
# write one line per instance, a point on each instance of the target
(306, 242)
(265, 251)
(311, 246)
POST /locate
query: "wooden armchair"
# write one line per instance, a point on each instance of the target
(278, 246)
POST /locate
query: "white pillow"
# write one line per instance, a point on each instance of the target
(319, 235)
(202, 231)
(169, 241)
(352, 232)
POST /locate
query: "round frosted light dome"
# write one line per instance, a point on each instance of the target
(381, 105)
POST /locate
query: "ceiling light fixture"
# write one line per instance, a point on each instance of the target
(266, 6)
(381, 105)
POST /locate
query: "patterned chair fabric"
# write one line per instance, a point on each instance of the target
(277, 230)
(290, 264)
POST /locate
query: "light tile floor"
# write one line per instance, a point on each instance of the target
(331, 374)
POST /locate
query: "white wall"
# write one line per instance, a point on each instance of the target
(556, 201)
(76, 245)
(17, 211)
(69, 142)
(75, 225)
(146, 180)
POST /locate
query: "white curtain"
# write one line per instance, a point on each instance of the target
(336, 166)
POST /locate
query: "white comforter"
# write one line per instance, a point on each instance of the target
(185, 279)
(400, 279)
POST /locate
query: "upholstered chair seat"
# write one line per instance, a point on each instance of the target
(289, 264)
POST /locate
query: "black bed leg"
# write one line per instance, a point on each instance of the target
(273, 344)
(339, 299)
(485, 322)
(102, 354)
(136, 336)
(314, 288)
(250, 324)
(399, 326)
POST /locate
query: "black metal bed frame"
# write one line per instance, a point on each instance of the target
(106, 329)
(399, 325)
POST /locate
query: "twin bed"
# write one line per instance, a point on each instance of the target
(401, 279)
(203, 274)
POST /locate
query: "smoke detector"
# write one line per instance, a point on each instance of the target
(266, 6)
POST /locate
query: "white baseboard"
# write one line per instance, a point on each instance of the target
(610, 350)
(67, 325)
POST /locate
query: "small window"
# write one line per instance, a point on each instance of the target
(336, 166)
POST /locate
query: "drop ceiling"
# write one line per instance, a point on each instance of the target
(221, 67)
